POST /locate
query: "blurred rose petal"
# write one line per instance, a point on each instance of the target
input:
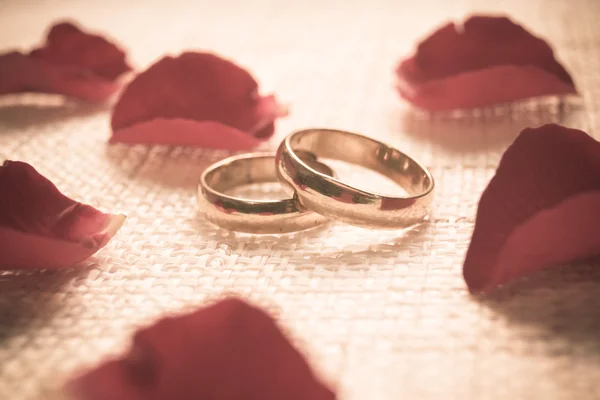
(228, 350)
(20, 74)
(68, 45)
(195, 99)
(71, 63)
(540, 209)
(42, 228)
(486, 61)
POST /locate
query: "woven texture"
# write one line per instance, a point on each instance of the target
(381, 315)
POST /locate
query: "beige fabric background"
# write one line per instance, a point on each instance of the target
(383, 315)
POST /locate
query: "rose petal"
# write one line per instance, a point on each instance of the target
(490, 60)
(68, 45)
(482, 42)
(72, 63)
(20, 73)
(185, 132)
(229, 350)
(540, 209)
(42, 228)
(198, 93)
(485, 87)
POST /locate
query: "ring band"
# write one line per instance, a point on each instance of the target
(253, 216)
(334, 199)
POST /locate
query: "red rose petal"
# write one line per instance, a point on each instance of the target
(540, 209)
(490, 60)
(185, 132)
(67, 45)
(71, 63)
(229, 350)
(485, 87)
(195, 99)
(20, 73)
(42, 228)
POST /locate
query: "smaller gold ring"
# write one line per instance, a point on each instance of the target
(337, 200)
(253, 216)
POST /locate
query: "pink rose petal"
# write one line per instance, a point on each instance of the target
(229, 350)
(195, 99)
(540, 209)
(489, 60)
(72, 63)
(42, 228)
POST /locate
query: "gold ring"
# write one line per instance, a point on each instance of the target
(337, 200)
(253, 216)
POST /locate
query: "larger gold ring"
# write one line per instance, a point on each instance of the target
(337, 200)
(253, 216)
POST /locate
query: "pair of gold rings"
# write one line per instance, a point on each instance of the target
(316, 194)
